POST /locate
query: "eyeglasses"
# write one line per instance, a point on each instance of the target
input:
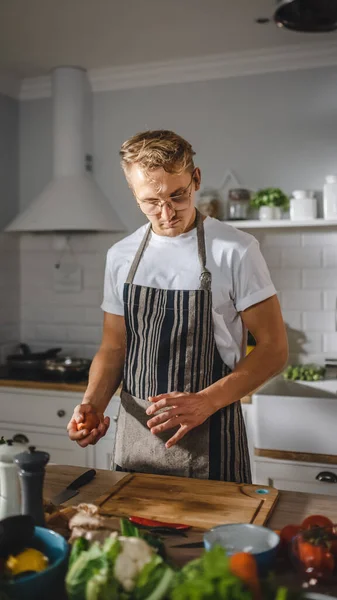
(179, 202)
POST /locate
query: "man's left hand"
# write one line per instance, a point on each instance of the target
(186, 410)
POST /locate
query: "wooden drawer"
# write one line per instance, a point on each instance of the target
(296, 477)
(41, 407)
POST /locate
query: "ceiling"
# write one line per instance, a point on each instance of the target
(37, 35)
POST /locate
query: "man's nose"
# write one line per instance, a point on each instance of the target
(167, 211)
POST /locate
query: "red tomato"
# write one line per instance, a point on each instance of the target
(316, 557)
(332, 544)
(288, 533)
(316, 521)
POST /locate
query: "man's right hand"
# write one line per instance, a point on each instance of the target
(84, 437)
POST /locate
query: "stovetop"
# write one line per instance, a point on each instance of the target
(39, 375)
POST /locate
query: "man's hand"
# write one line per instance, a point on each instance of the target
(186, 410)
(85, 437)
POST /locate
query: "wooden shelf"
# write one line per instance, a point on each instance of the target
(282, 224)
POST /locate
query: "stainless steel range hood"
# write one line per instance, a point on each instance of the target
(72, 201)
(312, 16)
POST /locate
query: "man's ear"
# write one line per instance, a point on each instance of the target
(197, 178)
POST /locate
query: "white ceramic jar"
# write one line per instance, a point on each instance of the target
(303, 206)
(270, 213)
(330, 198)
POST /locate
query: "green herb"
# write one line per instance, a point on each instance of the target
(309, 372)
(270, 197)
(209, 578)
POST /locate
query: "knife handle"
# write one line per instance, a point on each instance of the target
(86, 477)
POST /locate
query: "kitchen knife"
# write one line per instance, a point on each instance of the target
(73, 488)
(189, 545)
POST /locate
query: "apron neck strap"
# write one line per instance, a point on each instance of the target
(205, 277)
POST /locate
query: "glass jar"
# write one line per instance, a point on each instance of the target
(238, 204)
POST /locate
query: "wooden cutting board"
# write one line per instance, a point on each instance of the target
(197, 502)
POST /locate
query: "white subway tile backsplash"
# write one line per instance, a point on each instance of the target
(301, 300)
(330, 299)
(301, 257)
(272, 256)
(84, 333)
(308, 342)
(330, 343)
(286, 279)
(320, 279)
(33, 313)
(319, 321)
(94, 242)
(94, 316)
(56, 333)
(69, 314)
(94, 279)
(306, 289)
(293, 318)
(281, 239)
(330, 256)
(319, 238)
(83, 298)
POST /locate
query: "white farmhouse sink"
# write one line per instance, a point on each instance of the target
(296, 416)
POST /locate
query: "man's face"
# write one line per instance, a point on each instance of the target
(177, 214)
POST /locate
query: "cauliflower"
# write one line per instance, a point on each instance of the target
(135, 554)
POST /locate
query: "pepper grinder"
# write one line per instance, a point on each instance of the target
(9, 482)
(31, 473)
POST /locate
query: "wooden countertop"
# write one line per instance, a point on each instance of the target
(44, 385)
(64, 387)
(292, 507)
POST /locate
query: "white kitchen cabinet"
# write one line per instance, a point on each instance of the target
(294, 476)
(40, 417)
(104, 448)
(62, 451)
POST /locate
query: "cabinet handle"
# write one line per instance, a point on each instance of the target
(61, 413)
(20, 438)
(326, 477)
(115, 419)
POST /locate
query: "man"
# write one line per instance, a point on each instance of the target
(180, 294)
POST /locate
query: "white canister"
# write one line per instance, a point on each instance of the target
(303, 206)
(10, 497)
(330, 198)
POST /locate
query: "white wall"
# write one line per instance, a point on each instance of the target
(274, 129)
(9, 245)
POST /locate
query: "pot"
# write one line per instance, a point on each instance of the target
(27, 360)
(67, 365)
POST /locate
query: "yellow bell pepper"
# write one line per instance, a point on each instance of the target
(28, 560)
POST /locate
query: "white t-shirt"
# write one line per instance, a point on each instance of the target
(240, 277)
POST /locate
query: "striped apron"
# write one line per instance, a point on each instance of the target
(171, 348)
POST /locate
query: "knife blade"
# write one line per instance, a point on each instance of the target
(73, 488)
(189, 545)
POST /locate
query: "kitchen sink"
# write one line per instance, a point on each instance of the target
(296, 416)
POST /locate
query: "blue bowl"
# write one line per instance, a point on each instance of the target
(261, 542)
(48, 583)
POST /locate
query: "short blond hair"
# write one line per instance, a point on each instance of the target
(157, 149)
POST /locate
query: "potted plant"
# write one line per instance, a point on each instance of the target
(270, 202)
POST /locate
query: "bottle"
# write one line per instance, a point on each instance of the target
(10, 502)
(330, 198)
(303, 205)
(31, 473)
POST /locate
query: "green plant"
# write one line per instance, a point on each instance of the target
(270, 197)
